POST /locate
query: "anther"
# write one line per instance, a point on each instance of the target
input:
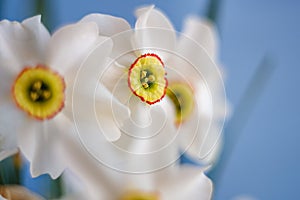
(37, 85)
(151, 78)
(143, 74)
(34, 96)
(145, 85)
(46, 94)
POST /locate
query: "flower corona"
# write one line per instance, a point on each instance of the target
(182, 97)
(146, 78)
(39, 91)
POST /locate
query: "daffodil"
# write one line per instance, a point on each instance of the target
(176, 182)
(150, 64)
(197, 91)
(136, 76)
(37, 76)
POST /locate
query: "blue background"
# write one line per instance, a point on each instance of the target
(265, 160)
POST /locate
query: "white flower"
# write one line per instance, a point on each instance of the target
(148, 62)
(197, 90)
(176, 183)
(36, 86)
(138, 80)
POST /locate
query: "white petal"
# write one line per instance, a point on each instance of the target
(201, 139)
(7, 153)
(42, 143)
(108, 25)
(118, 29)
(115, 78)
(202, 32)
(82, 81)
(22, 44)
(149, 17)
(111, 114)
(41, 34)
(92, 100)
(112, 75)
(150, 146)
(10, 127)
(154, 32)
(70, 45)
(185, 183)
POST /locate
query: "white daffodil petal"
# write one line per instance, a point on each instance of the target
(111, 113)
(149, 17)
(9, 129)
(7, 153)
(118, 29)
(196, 184)
(151, 146)
(7, 80)
(108, 25)
(70, 45)
(40, 144)
(154, 33)
(83, 81)
(112, 75)
(202, 32)
(41, 34)
(21, 44)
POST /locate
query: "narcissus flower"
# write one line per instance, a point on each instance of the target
(180, 182)
(99, 182)
(150, 63)
(37, 73)
(136, 76)
(197, 91)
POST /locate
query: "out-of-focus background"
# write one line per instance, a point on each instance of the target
(265, 159)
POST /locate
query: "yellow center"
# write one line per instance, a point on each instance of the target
(140, 195)
(146, 78)
(39, 92)
(182, 96)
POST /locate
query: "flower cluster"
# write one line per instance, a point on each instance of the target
(117, 106)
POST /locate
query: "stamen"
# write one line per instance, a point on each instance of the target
(34, 96)
(46, 94)
(37, 85)
(151, 78)
(145, 85)
(143, 74)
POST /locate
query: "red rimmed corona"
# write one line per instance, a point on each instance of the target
(147, 78)
(39, 91)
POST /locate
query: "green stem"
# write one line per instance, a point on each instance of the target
(41, 8)
(213, 10)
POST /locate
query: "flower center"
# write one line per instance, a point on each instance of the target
(182, 97)
(146, 78)
(39, 92)
(140, 195)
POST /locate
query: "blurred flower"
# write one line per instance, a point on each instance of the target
(136, 75)
(142, 57)
(174, 182)
(37, 76)
(197, 91)
(15, 192)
